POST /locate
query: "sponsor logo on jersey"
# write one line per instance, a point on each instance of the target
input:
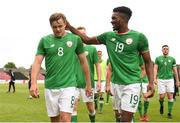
(169, 60)
(113, 39)
(86, 53)
(129, 41)
(69, 43)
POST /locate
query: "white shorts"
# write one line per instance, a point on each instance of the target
(144, 87)
(80, 92)
(127, 96)
(165, 86)
(114, 103)
(59, 100)
(103, 86)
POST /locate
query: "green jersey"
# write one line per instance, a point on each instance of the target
(60, 53)
(165, 67)
(92, 58)
(141, 63)
(103, 71)
(123, 51)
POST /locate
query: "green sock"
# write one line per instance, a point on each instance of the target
(107, 97)
(140, 108)
(96, 104)
(101, 103)
(161, 102)
(170, 105)
(146, 105)
(74, 118)
(92, 118)
(118, 119)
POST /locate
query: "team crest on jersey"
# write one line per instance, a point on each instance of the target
(129, 41)
(69, 43)
(52, 45)
(113, 39)
(86, 53)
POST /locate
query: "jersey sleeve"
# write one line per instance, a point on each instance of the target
(79, 48)
(143, 45)
(174, 62)
(156, 61)
(40, 49)
(102, 38)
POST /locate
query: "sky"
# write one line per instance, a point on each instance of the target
(24, 22)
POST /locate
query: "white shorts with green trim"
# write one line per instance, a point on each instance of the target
(59, 100)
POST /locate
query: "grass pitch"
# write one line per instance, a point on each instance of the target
(16, 107)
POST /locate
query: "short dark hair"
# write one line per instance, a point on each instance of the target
(165, 46)
(81, 27)
(125, 10)
(56, 17)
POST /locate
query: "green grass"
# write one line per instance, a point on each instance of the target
(15, 107)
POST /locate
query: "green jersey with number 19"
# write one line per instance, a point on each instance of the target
(123, 51)
(60, 53)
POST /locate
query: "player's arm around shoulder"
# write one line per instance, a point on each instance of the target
(34, 91)
(84, 64)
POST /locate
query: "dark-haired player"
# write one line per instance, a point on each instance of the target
(164, 67)
(124, 46)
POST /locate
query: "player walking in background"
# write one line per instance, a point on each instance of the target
(144, 84)
(59, 50)
(164, 67)
(123, 47)
(11, 82)
(92, 58)
(99, 94)
(29, 82)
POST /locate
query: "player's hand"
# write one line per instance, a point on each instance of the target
(177, 84)
(155, 81)
(150, 91)
(108, 89)
(88, 91)
(34, 91)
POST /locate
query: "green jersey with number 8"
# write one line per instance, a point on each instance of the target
(60, 53)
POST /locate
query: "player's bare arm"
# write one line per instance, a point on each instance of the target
(149, 72)
(176, 76)
(99, 72)
(84, 64)
(155, 73)
(108, 77)
(34, 91)
(85, 38)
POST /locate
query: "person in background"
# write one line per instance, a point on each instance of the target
(145, 104)
(99, 94)
(164, 68)
(11, 82)
(92, 58)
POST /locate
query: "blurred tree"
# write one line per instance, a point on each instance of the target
(10, 65)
